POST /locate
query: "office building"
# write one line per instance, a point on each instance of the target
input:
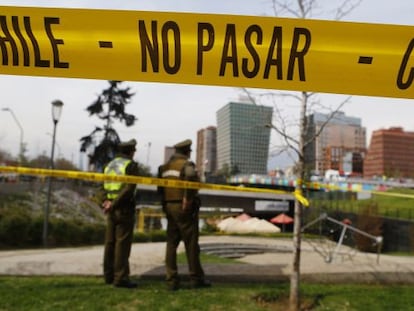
(243, 137)
(206, 156)
(390, 154)
(337, 143)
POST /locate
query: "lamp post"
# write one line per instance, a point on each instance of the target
(57, 145)
(148, 153)
(21, 148)
(56, 112)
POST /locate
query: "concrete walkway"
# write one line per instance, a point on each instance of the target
(147, 262)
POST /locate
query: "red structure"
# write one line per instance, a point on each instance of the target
(390, 154)
(344, 159)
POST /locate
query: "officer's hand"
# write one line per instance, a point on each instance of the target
(106, 205)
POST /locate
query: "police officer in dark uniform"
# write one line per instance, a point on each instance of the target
(181, 207)
(119, 206)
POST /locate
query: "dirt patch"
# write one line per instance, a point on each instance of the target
(281, 302)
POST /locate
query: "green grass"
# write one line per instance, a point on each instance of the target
(206, 258)
(386, 205)
(90, 293)
(400, 207)
(401, 254)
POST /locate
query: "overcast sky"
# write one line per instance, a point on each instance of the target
(169, 113)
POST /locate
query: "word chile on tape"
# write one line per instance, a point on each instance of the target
(209, 49)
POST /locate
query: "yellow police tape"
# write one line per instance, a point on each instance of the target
(99, 177)
(209, 49)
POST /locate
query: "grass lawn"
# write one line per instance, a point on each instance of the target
(390, 205)
(90, 293)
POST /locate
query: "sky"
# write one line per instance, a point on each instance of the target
(168, 113)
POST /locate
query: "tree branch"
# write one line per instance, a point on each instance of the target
(330, 117)
(346, 8)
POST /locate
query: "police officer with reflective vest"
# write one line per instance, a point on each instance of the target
(119, 206)
(181, 207)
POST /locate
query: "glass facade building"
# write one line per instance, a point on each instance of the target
(243, 137)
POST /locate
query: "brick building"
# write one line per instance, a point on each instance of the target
(390, 153)
(345, 159)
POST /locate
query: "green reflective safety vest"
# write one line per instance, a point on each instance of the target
(116, 167)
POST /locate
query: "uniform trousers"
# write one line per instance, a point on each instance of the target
(118, 240)
(182, 226)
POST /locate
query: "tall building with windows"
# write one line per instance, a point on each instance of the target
(390, 153)
(337, 143)
(243, 137)
(206, 156)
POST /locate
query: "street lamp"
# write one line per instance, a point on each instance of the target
(21, 149)
(148, 153)
(59, 149)
(56, 112)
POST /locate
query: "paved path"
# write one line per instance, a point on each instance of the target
(147, 261)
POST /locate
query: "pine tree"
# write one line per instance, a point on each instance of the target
(109, 107)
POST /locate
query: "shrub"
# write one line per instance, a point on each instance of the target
(152, 236)
(14, 229)
(19, 230)
(35, 235)
(75, 233)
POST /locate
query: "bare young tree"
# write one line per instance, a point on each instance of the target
(295, 142)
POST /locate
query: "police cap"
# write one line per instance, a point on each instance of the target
(184, 145)
(126, 146)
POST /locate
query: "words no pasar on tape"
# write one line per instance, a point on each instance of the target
(209, 49)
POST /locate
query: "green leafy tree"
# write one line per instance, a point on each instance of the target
(5, 156)
(225, 171)
(144, 170)
(43, 161)
(108, 107)
(64, 164)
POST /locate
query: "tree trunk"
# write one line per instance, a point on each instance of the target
(294, 298)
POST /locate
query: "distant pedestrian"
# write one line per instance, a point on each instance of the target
(181, 207)
(119, 206)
